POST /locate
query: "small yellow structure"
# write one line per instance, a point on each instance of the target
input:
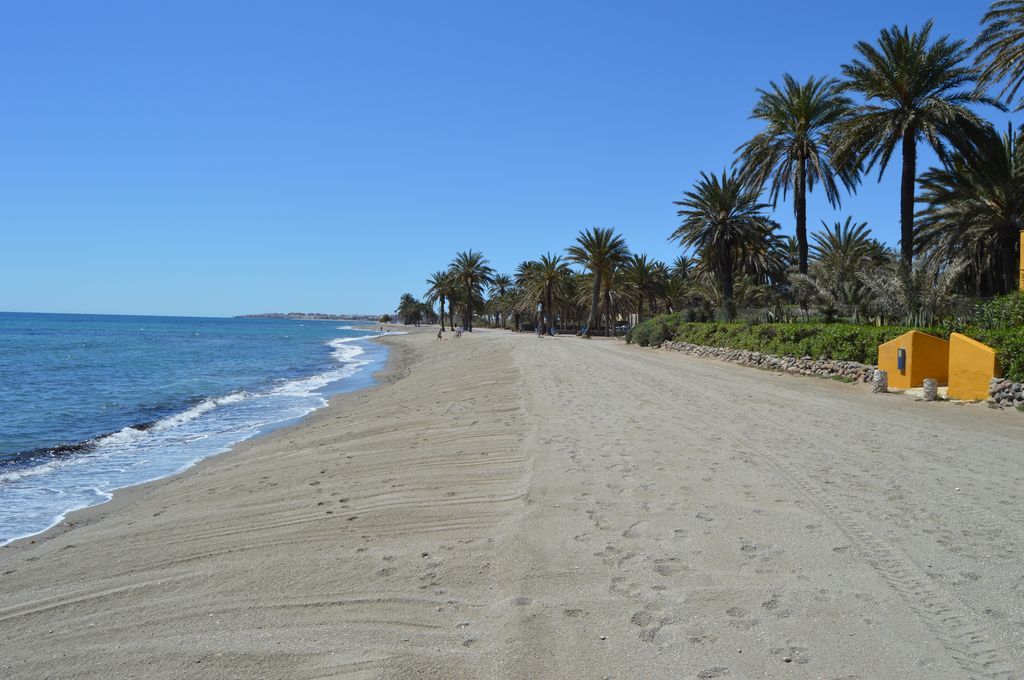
(971, 366)
(923, 356)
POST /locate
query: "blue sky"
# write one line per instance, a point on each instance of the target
(218, 158)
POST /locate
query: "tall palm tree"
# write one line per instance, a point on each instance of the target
(999, 48)
(722, 219)
(439, 290)
(601, 251)
(792, 152)
(915, 88)
(471, 273)
(499, 287)
(974, 209)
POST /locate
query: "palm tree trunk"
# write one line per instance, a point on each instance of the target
(467, 322)
(608, 313)
(800, 208)
(726, 276)
(907, 196)
(1008, 255)
(550, 311)
(442, 314)
(595, 299)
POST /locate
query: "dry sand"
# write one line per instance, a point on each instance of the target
(512, 507)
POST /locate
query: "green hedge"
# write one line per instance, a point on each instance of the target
(843, 342)
(1009, 346)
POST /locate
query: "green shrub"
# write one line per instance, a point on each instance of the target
(1009, 346)
(841, 342)
(1003, 312)
(653, 332)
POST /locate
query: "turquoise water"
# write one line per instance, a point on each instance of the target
(90, 404)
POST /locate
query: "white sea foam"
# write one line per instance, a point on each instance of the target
(135, 456)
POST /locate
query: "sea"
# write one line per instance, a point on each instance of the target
(90, 404)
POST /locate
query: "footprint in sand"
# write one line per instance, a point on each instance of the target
(669, 566)
(635, 530)
(739, 619)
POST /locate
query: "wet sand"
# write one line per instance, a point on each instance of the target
(505, 506)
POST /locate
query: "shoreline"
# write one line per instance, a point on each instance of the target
(395, 364)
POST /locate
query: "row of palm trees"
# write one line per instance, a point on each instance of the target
(911, 88)
(906, 89)
(597, 283)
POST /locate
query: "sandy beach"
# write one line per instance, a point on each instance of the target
(505, 506)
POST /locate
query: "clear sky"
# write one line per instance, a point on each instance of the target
(218, 158)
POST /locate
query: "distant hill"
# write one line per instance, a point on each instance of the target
(311, 316)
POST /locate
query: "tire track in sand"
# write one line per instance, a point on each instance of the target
(967, 641)
(954, 626)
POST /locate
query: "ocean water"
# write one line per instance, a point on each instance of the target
(90, 404)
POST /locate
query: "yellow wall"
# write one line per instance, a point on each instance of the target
(971, 366)
(927, 357)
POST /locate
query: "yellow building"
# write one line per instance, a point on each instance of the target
(971, 366)
(912, 357)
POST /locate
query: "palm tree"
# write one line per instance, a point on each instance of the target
(675, 293)
(722, 219)
(499, 287)
(999, 49)
(844, 243)
(409, 309)
(765, 257)
(471, 273)
(792, 152)
(842, 253)
(601, 251)
(914, 89)
(439, 290)
(682, 266)
(643, 281)
(915, 295)
(545, 281)
(975, 211)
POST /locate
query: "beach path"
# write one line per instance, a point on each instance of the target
(511, 506)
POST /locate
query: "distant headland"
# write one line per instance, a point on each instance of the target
(311, 316)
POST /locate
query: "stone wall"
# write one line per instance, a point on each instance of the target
(1005, 393)
(824, 368)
